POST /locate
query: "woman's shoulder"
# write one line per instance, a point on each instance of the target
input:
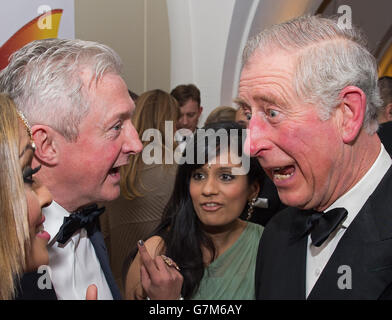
(254, 228)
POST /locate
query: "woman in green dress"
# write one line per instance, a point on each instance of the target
(203, 229)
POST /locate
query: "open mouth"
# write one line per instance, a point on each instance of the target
(40, 232)
(211, 206)
(283, 173)
(114, 171)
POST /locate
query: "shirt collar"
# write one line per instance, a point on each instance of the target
(354, 199)
(54, 218)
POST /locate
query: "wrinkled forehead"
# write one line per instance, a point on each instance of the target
(268, 59)
(266, 75)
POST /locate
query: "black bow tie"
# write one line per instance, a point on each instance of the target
(82, 218)
(321, 224)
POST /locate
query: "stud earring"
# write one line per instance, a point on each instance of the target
(251, 204)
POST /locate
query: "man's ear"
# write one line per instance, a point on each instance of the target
(46, 149)
(353, 107)
(200, 110)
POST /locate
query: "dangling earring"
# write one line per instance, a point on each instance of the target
(251, 204)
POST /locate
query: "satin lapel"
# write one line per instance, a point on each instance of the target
(98, 242)
(282, 258)
(296, 269)
(296, 254)
(361, 265)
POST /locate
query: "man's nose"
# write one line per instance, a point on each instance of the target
(256, 137)
(185, 120)
(132, 144)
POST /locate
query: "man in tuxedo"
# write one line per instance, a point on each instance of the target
(310, 88)
(385, 113)
(80, 111)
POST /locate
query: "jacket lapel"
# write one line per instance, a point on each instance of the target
(98, 242)
(281, 262)
(296, 272)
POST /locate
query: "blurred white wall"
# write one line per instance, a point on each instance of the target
(207, 38)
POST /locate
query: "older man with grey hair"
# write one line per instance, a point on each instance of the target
(79, 109)
(310, 88)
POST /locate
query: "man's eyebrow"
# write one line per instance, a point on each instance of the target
(115, 116)
(28, 146)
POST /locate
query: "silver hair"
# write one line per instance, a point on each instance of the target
(44, 80)
(329, 57)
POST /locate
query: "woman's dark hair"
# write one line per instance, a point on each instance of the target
(180, 228)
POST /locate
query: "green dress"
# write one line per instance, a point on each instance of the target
(232, 275)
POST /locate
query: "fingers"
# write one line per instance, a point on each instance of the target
(165, 284)
(145, 257)
(160, 276)
(170, 262)
(145, 278)
(163, 265)
(150, 269)
(92, 292)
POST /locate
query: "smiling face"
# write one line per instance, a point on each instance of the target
(218, 196)
(298, 151)
(89, 167)
(37, 197)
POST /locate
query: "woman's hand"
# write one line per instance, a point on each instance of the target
(160, 280)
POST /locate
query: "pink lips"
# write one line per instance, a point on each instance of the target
(43, 234)
(211, 208)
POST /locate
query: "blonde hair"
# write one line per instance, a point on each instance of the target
(14, 234)
(153, 108)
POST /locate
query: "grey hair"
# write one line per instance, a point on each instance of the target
(329, 57)
(44, 80)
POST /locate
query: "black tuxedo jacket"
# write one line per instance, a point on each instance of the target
(29, 289)
(365, 247)
(385, 134)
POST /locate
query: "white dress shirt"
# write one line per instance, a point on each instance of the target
(353, 201)
(74, 265)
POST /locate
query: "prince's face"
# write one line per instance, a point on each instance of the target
(299, 152)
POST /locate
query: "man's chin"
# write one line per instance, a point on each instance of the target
(111, 195)
(291, 199)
